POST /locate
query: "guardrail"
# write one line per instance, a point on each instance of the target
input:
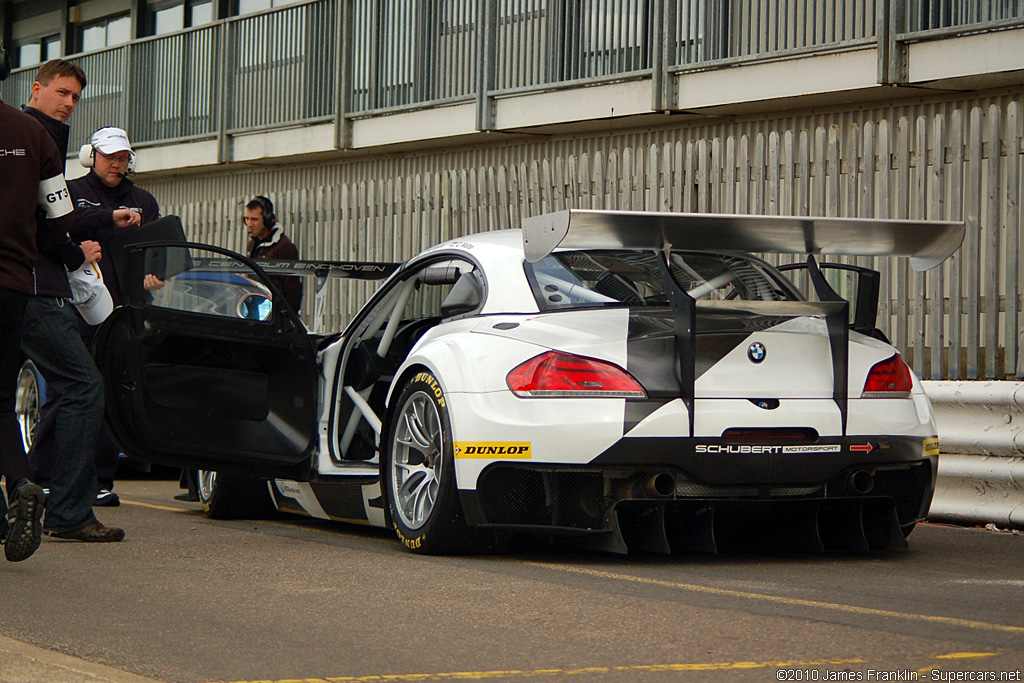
(981, 468)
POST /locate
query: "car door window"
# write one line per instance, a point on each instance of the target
(196, 281)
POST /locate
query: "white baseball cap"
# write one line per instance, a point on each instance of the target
(110, 140)
(89, 294)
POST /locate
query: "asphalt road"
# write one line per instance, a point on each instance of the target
(185, 598)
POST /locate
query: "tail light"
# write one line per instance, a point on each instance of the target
(888, 379)
(562, 374)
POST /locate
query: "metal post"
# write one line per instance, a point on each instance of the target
(487, 24)
(126, 86)
(663, 95)
(892, 54)
(343, 71)
(221, 91)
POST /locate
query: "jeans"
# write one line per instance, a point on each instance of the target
(44, 447)
(13, 463)
(51, 339)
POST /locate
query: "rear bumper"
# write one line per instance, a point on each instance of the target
(842, 501)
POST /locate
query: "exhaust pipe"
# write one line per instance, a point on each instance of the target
(661, 485)
(860, 483)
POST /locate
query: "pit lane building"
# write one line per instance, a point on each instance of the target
(379, 127)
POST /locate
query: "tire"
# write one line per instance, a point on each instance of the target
(28, 402)
(227, 495)
(419, 474)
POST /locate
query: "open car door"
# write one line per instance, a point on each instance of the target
(208, 368)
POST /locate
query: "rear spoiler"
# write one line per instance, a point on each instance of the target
(927, 243)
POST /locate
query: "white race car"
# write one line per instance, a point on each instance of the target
(627, 380)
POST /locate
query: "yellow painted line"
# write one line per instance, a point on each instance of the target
(155, 507)
(639, 668)
(797, 602)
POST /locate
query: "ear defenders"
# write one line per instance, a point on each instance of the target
(269, 218)
(87, 155)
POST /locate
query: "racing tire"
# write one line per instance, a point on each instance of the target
(419, 475)
(228, 495)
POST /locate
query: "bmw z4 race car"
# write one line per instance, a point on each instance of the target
(627, 380)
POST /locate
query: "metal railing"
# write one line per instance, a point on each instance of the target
(958, 15)
(289, 65)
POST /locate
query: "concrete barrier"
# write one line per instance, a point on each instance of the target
(981, 466)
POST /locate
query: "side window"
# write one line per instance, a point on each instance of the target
(195, 281)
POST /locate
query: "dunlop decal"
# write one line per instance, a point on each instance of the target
(498, 450)
(930, 447)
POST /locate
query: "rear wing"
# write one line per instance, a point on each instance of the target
(927, 243)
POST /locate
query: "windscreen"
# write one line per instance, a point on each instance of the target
(619, 277)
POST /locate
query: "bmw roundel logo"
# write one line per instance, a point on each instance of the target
(756, 352)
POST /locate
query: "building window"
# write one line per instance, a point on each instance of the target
(38, 50)
(115, 30)
(250, 6)
(168, 17)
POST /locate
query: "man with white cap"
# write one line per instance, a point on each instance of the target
(50, 338)
(108, 204)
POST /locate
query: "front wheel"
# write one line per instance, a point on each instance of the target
(28, 402)
(419, 473)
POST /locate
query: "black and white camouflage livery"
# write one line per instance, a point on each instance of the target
(626, 380)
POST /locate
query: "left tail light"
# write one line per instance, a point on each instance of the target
(889, 379)
(563, 374)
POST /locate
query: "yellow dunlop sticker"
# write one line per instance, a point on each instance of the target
(498, 450)
(930, 447)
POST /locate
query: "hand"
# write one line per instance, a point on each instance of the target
(126, 218)
(152, 282)
(91, 250)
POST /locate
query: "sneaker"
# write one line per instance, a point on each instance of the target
(95, 532)
(107, 499)
(24, 530)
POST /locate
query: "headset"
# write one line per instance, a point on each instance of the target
(87, 155)
(269, 218)
(5, 62)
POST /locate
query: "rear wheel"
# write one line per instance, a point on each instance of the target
(227, 495)
(419, 474)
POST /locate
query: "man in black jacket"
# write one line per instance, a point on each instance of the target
(36, 210)
(51, 339)
(107, 205)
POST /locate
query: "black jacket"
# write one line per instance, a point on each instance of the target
(30, 161)
(94, 216)
(51, 270)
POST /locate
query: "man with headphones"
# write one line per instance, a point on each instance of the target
(36, 213)
(107, 205)
(268, 241)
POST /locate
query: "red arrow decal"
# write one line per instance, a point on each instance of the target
(867, 448)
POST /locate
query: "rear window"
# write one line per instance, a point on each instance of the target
(612, 277)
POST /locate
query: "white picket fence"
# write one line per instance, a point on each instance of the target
(962, 320)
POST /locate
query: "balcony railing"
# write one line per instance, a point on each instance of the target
(334, 60)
